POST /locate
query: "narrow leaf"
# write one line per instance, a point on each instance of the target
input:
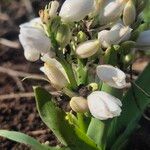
(25, 139)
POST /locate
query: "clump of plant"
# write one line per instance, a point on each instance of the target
(87, 47)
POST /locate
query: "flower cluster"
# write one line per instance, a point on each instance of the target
(85, 44)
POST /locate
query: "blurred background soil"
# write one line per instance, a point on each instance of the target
(17, 104)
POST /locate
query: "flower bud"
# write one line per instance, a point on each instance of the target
(117, 34)
(63, 35)
(93, 86)
(103, 105)
(143, 41)
(81, 37)
(129, 13)
(44, 15)
(112, 76)
(88, 48)
(55, 72)
(33, 40)
(98, 4)
(79, 104)
(128, 59)
(53, 9)
(75, 10)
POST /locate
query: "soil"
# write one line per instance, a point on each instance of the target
(20, 114)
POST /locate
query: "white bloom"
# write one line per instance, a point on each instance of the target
(34, 40)
(117, 34)
(88, 48)
(76, 10)
(36, 22)
(111, 11)
(103, 105)
(55, 72)
(112, 76)
(143, 41)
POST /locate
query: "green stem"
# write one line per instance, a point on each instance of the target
(96, 130)
(110, 129)
(68, 68)
(81, 123)
(69, 92)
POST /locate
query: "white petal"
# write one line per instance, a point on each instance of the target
(102, 36)
(103, 105)
(36, 22)
(35, 39)
(114, 77)
(117, 34)
(76, 10)
(112, 11)
(31, 55)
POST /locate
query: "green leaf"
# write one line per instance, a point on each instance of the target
(81, 72)
(25, 139)
(51, 115)
(146, 12)
(54, 118)
(96, 131)
(130, 111)
(110, 56)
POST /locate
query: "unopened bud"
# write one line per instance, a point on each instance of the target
(53, 8)
(63, 35)
(88, 48)
(44, 15)
(128, 59)
(93, 86)
(55, 72)
(81, 36)
(79, 104)
(55, 76)
(129, 13)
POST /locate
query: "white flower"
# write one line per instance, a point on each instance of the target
(117, 34)
(112, 76)
(76, 10)
(88, 48)
(34, 40)
(103, 105)
(55, 72)
(143, 41)
(111, 11)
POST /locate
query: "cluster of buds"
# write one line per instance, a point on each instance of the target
(82, 32)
